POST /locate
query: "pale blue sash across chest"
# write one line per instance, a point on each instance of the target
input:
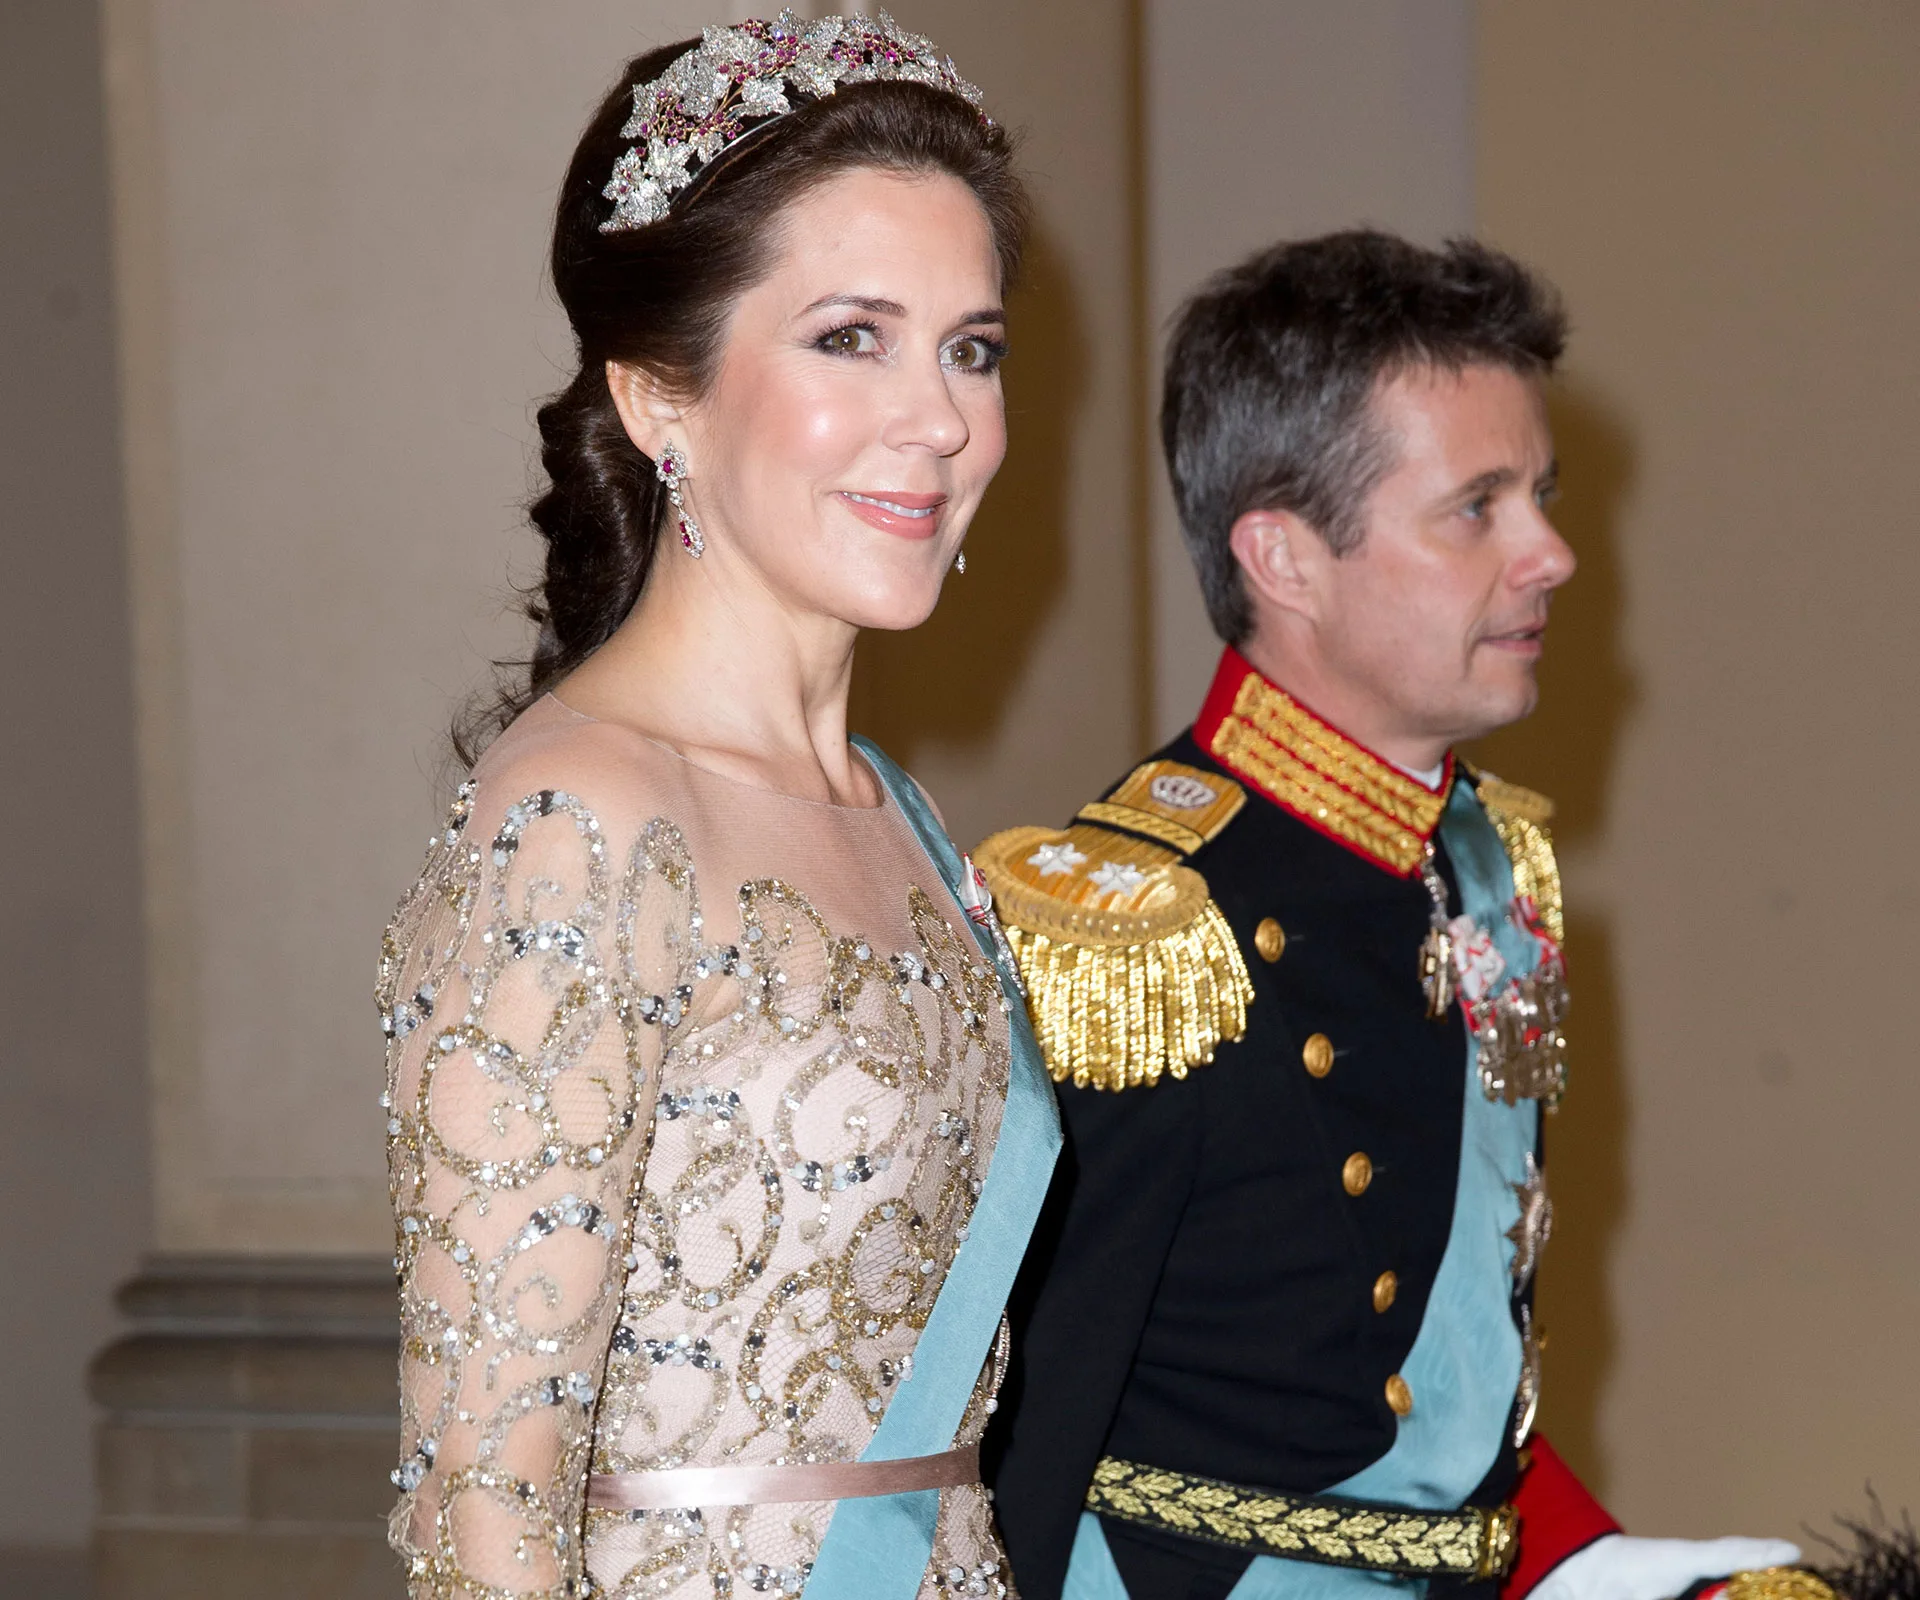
(878, 1548)
(1465, 1363)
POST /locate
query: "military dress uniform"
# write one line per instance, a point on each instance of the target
(1274, 1335)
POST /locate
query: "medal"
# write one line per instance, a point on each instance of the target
(1526, 1400)
(1534, 1226)
(1436, 950)
(1523, 1052)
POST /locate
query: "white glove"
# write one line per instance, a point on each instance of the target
(1616, 1567)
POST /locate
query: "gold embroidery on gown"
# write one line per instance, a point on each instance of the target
(692, 1087)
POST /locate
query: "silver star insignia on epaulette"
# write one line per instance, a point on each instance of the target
(1535, 1227)
(1116, 877)
(1055, 858)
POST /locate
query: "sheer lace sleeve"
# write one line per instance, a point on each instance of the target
(528, 986)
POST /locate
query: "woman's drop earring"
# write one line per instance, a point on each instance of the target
(672, 471)
(960, 562)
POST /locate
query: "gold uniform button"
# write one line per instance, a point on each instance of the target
(1385, 1287)
(1399, 1396)
(1317, 1055)
(1269, 939)
(1357, 1173)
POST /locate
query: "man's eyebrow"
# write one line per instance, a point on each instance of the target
(1487, 483)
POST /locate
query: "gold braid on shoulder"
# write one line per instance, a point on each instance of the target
(1520, 817)
(1131, 969)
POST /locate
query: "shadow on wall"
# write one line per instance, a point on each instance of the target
(1566, 749)
(947, 682)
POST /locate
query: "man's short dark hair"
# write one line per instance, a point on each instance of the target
(1274, 363)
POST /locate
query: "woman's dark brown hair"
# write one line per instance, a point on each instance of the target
(659, 298)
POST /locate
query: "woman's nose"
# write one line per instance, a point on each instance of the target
(928, 417)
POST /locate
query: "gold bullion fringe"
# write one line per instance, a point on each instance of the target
(1389, 1539)
(1117, 1016)
(1535, 872)
(1778, 1583)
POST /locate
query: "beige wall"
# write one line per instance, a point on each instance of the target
(1726, 194)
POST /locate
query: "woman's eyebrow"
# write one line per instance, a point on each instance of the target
(858, 302)
(892, 308)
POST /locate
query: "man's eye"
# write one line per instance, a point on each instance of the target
(1547, 495)
(855, 339)
(975, 353)
(1477, 508)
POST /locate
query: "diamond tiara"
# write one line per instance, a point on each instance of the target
(736, 78)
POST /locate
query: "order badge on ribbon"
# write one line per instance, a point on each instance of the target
(1515, 1019)
(976, 899)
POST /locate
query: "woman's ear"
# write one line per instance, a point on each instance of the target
(649, 416)
(1280, 558)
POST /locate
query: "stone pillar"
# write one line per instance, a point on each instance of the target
(246, 1431)
(73, 1115)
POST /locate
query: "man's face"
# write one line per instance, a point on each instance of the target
(1435, 622)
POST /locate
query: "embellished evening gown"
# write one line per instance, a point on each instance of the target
(692, 1088)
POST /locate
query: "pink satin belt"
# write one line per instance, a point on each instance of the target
(754, 1486)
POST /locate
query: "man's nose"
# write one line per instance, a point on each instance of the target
(1550, 560)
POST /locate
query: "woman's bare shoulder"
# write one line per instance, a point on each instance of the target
(617, 773)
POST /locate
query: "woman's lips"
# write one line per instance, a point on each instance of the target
(908, 516)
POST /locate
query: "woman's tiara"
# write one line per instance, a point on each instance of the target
(737, 78)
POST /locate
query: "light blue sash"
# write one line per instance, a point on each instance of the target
(878, 1548)
(1465, 1362)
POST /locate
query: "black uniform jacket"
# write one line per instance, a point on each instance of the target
(1201, 1293)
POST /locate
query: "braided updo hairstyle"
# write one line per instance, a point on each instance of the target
(659, 298)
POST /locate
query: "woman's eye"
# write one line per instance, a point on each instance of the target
(856, 339)
(1475, 510)
(975, 353)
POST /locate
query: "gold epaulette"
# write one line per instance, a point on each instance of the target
(1131, 969)
(1520, 817)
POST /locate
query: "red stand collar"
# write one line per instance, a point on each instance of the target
(1309, 768)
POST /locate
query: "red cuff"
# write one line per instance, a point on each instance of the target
(1557, 1518)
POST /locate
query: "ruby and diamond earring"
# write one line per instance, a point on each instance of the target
(671, 470)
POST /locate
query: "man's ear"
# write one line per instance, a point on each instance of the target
(651, 418)
(1280, 559)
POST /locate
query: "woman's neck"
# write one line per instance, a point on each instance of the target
(714, 664)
